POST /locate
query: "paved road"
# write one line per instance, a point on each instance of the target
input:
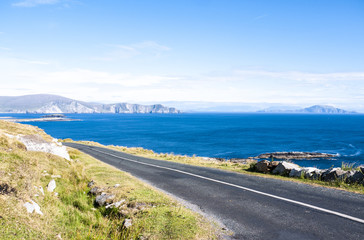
(253, 207)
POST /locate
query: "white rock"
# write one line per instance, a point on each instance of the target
(117, 185)
(285, 168)
(41, 190)
(116, 204)
(56, 176)
(37, 143)
(56, 194)
(127, 223)
(29, 207)
(37, 208)
(51, 185)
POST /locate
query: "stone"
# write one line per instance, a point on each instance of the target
(333, 174)
(116, 204)
(51, 185)
(103, 199)
(361, 168)
(312, 173)
(117, 185)
(262, 166)
(90, 184)
(29, 206)
(32, 206)
(356, 177)
(284, 168)
(96, 190)
(56, 176)
(297, 173)
(127, 223)
(41, 190)
(36, 208)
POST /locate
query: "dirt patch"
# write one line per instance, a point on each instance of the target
(5, 189)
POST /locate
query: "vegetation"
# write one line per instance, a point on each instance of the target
(72, 214)
(228, 165)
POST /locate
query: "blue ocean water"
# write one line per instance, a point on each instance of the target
(221, 135)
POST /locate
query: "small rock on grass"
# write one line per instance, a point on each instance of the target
(51, 185)
(104, 198)
(128, 223)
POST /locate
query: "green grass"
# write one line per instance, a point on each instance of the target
(72, 213)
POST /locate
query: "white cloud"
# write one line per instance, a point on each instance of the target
(146, 48)
(33, 3)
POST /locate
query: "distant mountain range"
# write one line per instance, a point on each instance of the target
(318, 109)
(45, 103)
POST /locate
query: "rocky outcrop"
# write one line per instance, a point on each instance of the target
(293, 170)
(294, 155)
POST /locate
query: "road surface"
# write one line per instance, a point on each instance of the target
(250, 206)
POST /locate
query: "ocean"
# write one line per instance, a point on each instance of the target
(221, 135)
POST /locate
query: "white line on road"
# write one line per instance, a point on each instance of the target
(244, 188)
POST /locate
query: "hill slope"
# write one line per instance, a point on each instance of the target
(45, 103)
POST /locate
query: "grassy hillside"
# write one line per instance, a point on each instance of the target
(70, 212)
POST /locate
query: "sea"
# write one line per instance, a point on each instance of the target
(221, 135)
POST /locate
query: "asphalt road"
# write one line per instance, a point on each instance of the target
(252, 207)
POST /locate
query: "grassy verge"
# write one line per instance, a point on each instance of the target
(229, 166)
(71, 213)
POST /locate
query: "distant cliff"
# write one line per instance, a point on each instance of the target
(323, 109)
(45, 103)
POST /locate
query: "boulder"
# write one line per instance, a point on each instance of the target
(103, 199)
(51, 185)
(297, 173)
(284, 168)
(312, 173)
(262, 166)
(356, 177)
(333, 174)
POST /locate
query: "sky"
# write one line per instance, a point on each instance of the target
(290, 52)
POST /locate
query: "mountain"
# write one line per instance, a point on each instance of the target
(46, 103)
(317, 109)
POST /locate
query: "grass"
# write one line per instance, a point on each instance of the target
(72, 214)
(228, 166)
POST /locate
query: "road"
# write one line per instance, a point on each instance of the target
(252, 207)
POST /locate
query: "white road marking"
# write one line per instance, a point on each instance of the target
(244, 188)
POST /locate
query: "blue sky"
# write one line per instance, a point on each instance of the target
(290, 52)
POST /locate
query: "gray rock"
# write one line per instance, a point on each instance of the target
(284, 168)
(103, 199)
(333, 174)
(116, 204)
(51, 185)
(312, 173)
(127, 223)
(96, 190)
(356, 177)
(297, 173)
(90, 184)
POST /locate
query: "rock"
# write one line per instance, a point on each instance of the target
(284, 168)
(58, 236)
(90, 184)
(56, 176)
(41, 190)
(32, 206)
(333, 174)
(356, 177)
(37, 208)
(127, 223)
(262, 166)
(312, 173)
(104, 199)
(295, 155)
(96, 190)
(296, 173)
(56, 194)
(117, 185)
(51, 185)
(29, 207)
(361, 168)
(116, 204)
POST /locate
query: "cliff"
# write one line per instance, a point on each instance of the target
(44, 103)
